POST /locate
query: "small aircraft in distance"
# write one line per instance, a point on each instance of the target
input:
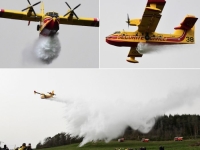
(45, 96)
(49, 22)
(183, 34)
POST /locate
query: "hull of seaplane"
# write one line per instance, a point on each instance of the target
(50, 27)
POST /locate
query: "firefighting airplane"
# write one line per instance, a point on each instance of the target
(49, 22)
(183, 34)
(45, 96)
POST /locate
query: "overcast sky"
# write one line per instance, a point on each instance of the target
(113, 17)
(79, 45)
(87, 97)
(27, 118)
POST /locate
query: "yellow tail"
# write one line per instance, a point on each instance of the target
(42, 8)
(190, 38)
(186, 30)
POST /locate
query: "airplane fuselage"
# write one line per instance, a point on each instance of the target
(131, 39)
(44, 96)
(49, 24)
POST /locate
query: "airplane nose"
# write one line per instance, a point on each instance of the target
(110, 38)
(107, 40)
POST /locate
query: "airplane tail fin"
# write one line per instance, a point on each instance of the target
(187, 23)
(53, 93)
(187, 29)
(42, 8)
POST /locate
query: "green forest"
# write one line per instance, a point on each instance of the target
(165, 129)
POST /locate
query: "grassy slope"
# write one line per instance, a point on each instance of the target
(154, 145)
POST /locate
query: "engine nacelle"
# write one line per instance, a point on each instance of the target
(135, 22)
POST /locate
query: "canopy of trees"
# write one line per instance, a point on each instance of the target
(168, 127)
(58, 140)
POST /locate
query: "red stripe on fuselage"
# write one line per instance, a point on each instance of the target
(51, 25)
(121, 43)
(179, 39)
(1, 12)
(47, 19)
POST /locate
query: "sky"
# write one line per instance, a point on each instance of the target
(79, 45)
(113, 16)
(95, 103)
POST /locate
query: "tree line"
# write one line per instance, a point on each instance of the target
(168, 127)
(165, 128)
(58, 140)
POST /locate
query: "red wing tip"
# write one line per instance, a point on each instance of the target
(156, 1)
(1, 12)
(96, 19)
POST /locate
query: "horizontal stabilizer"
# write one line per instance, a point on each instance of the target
(187, 23)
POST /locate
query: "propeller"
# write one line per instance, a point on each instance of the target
(72, 10)
(31, 7)
(128, 20)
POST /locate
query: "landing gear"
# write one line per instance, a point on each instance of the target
(38, 27)
(147, 36)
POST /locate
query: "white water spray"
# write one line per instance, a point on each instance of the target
(145, 48)
(47, 48)
(98, 119)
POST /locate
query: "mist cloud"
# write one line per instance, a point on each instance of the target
(106, 119)
(146, 48)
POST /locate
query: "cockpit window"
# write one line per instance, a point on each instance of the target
(117, 32)
(52, 14)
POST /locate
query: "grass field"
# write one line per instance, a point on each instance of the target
(152, 145)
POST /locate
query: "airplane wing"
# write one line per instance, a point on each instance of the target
(151, 16)
(19, 15)
(93, 22)
(38, 93)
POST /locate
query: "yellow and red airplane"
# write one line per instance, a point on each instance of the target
(183, 34)
(45, 96)
(49, 22)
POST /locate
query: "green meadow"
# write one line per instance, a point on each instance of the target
(151, 145)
